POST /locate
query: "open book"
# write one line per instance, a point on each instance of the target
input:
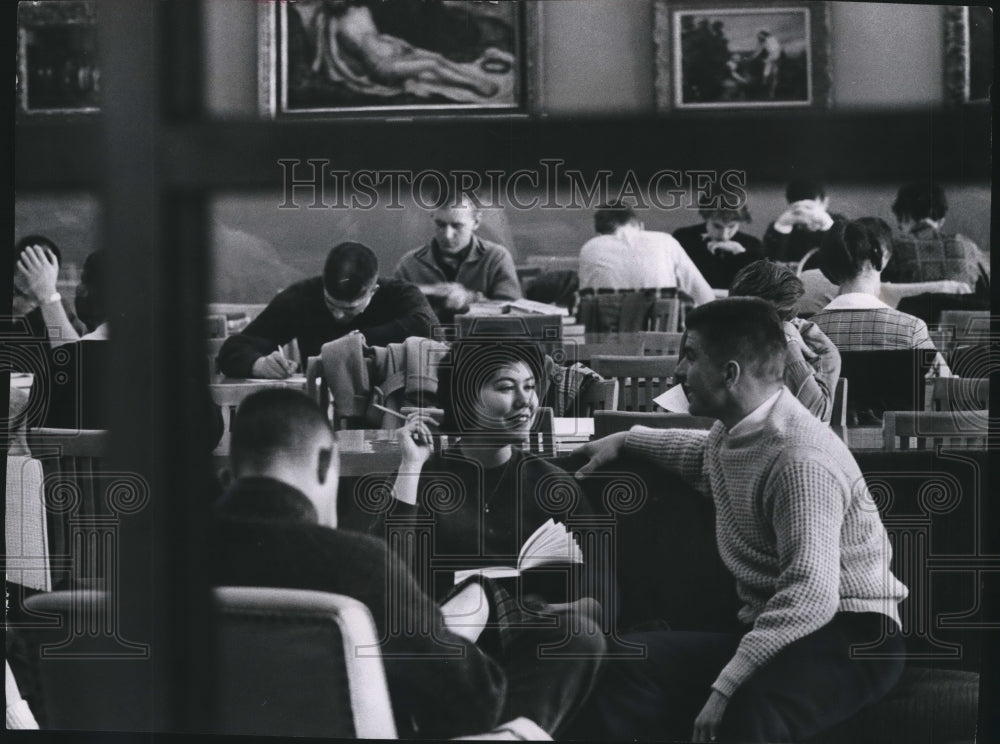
(550, 543)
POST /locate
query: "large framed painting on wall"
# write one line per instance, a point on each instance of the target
(968, 53)
(397, 57)
(742, 55)
(58, 71)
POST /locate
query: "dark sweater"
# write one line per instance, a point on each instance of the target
(266, 534)
(397, 311)
(718, 270)
(483, 517)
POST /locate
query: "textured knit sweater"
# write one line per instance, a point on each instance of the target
(794, 522)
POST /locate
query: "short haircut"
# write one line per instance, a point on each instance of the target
(454, 199)
(609, 217)
(804, 188)
(23, 243)
(468, 365)
(716, 203)
(770, 281)
(848, 246)
(350, 270)
(91, 294)
(746, 329)
(273, 425)
(920, 201)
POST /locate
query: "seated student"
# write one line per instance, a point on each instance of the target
(853, 256)
(39, 312)
(718, 248)
(922, 251)
(819, 291)
(348, 297)
(624, 256)
(801, 537)
(456, 267)
(489, 391)
(71, 395)
(276, 526)
(812, 363)
(800, 228)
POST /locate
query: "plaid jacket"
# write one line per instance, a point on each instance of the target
(926, 255)
(867, 329)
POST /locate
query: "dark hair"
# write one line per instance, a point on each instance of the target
(804, 188)
(770, 281)
(716, 201)
(90, 303)
(747, 329)
(275, 424)
(350, 270)
(468, 365)
(23, 243)
(848, 246)
(609, 217)
(920, 200)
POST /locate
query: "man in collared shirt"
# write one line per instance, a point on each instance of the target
(797, 529)
(348, 297)
(457, 267)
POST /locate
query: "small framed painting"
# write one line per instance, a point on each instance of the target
(397, 57)
(746, 55)
(58, 70)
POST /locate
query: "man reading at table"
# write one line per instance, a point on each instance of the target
(457, 267)
(797, 529)
(349, 296)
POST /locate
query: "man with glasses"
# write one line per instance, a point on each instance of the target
(348, 297)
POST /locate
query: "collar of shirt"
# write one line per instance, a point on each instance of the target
(924, 228)
(855, 301)
(753, 422)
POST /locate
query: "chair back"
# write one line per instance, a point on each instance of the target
(665, 315)
(960, 394)
(600, 395)
(547, 330)
(610, 422)
(933, 429)
(809, 261)
(87, 672)
(316, 386)
(640, 378)
(74, 481)
(659, 343)
(838, 414)
(601, 344)
(886, 380)
(27, 551)
(292, 662)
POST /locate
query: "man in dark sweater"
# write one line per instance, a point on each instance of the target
(274, 527)
(348, 297)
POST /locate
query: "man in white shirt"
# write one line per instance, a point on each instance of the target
(624, 256)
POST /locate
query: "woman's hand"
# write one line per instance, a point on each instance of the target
(415, 439)
(38, 271)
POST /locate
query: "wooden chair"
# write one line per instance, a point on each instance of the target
(547, 330)
(600, 395)
(74, 486)
(287, 663)
(960, 394)
(838, 416)
(659, 343)
(665, 315)
(930, 429)
(806, 262)
(610, 422)
(640, 378)
(609, 344)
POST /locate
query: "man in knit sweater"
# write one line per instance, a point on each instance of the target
(797, 529)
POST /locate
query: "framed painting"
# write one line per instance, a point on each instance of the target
(968, 53)
(742, 55)
(397, 57)
(58, 70)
